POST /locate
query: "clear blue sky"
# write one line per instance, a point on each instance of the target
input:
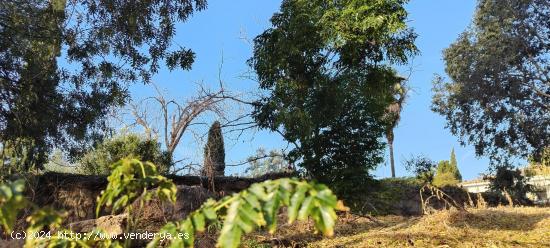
(220, 28)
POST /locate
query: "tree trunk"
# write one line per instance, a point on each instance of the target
(389, 135)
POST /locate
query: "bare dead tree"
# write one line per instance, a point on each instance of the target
(170, 119)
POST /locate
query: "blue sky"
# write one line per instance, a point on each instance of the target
(220, 29)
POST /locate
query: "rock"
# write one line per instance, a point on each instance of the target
(111, 224)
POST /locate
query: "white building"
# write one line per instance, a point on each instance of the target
(541, 195)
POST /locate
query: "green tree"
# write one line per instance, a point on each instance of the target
(15, 156)
(98, 161)
(447, 172)
(541, 167)
(454, 165)
(65, 63)
(498, 97)
(214, 152)
(326, 69)
(511, 183)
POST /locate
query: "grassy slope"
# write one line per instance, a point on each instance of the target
(493, 227)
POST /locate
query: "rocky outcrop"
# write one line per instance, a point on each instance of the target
(112, 225)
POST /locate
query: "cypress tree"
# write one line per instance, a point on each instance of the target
(214, 152)
(454, 166)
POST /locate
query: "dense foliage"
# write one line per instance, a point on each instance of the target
(542, 167)
(63, 64)
(326, 69)
(100, 159)
(447, 172)
(510, 182)
(214, 152)
(498, 98)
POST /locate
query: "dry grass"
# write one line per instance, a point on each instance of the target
(492, 227)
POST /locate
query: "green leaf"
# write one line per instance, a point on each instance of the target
(326, 197)
(328, 217)
(258, 191)
(252, 200)
(271, 208)
(230, 239)
(12, 201)
(305, 208)
(199, 222)
(296, 201)
(130, 176)
(230, 233)
(210, 213)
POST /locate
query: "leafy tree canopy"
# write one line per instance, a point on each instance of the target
(64, 63)
(498, 98)
(325, 66)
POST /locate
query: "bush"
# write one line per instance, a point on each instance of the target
(99, 160)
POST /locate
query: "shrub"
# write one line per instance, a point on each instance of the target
(258, 206)
(99, 160)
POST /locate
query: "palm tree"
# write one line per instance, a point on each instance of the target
(393, 115)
